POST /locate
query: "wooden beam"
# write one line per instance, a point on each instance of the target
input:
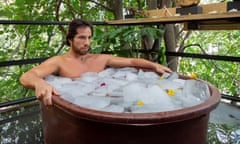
(179, 19)
(212, 25)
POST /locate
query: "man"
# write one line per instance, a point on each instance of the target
(76, 62)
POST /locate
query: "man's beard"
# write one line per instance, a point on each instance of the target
(78, 51)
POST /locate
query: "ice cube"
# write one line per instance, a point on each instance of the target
(100, 91)
(76, 89)
(128, 69)
(147, 75)
(197, 89)
(156, 95)
(57, 81)
(113, 83)
(67, 96)
(168, 84)
(189, 101)
(114, 108)
(107, 72)
(125, 73)
(132, 91)
(172, 76)
(116, 100)
(88, 77)
(152, 95)
(92, 102)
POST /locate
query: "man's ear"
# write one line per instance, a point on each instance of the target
(70, 41)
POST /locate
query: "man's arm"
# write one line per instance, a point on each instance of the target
(136, 62)
(34, 79)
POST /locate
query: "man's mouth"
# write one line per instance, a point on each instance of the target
(85, 48)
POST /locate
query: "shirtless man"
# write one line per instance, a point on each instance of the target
(78, 61)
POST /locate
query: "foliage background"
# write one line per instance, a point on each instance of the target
(40, 41)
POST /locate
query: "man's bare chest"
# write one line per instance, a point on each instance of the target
(76, 69)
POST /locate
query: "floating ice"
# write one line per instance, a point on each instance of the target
(131, 90)
(94, 102)
(88, 77)
(113, 108)
(194, 92)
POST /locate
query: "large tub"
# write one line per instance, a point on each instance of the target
(66, 123)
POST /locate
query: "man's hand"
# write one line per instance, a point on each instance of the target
(162, 69)
(45, 91)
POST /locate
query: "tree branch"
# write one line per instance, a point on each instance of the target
(237, 82)
(104, 6)
(57, 7)
(71, 9)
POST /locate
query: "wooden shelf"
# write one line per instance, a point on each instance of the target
(233, 17)
(215, 16)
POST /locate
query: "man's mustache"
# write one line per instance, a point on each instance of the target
(89, 48)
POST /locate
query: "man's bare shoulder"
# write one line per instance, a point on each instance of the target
(54, 59)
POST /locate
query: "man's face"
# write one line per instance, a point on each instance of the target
(81, 41)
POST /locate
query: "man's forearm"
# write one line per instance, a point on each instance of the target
(29, 80)
(142, 63)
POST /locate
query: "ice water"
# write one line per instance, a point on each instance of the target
(131, 90)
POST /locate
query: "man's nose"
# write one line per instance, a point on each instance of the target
(87, 41)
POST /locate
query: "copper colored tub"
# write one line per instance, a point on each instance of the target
(66, 123)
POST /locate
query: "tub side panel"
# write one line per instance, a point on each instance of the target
(63, 128)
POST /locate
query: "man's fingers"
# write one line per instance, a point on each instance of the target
(55, 92)
(39, 95)
(164, 69)
(45, 96)
(168, 70)
(44, 92)
(47, 99)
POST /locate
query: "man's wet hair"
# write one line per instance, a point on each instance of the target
(73, 25)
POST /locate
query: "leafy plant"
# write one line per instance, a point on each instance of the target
(125, 41)
(223, 134)
(225, 75)
(25, 41)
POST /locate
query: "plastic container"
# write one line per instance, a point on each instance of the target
(66, 123)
